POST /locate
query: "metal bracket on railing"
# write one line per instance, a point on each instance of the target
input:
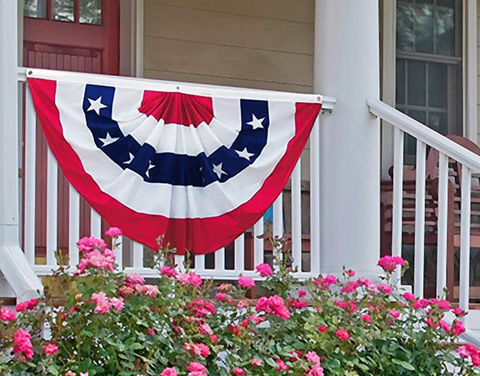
(327, 105)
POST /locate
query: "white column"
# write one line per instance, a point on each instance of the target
(13, 262)
(347, 67)
(8, 124)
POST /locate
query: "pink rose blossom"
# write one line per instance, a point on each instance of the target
(113, 232)
(246, 282)
(89, 244)
(102, 302)
(389, 263)
(315, 370)
(366, 317)
(196, 367)
(26, 305)
(322, 328)
(273, 304)
(98, 260)
(458, 312)
(342, 334)
(350, 273)
(446, 328)
(281, 365)
(394, 313)
(238, 371)
(409, 296)
(458, 328)
(256, 362)
(50, 349)
(22, 343)
(302, 293)
(312, 357)
(149, 290)
(221, 297)
(386, 289)
(134, 279)
(169, 371)
(6, 314)
(325, 282)
(70, 373)
(117, 303)
(169, 271)
(205, 328)
(264, 270)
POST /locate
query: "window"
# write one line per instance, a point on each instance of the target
(76, 11)
(429, 64)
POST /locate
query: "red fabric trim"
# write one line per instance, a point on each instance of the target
(177, 108)
(199, 236)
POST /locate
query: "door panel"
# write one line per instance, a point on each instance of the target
(52, 43)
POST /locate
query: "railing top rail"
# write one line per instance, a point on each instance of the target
(190, 88)
(425, 134)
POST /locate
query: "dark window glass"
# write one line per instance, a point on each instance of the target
(426, 26)
(91, 12)
(35, 8)
(438, 121)
(437, 85)
(400, 71)
(445, 31)
(417, 88)
(63, 10)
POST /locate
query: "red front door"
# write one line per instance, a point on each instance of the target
(71, 35)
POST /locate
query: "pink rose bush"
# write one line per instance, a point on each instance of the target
(107, 323)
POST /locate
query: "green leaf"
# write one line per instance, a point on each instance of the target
(404, 364)
(53, 369)
(86, 364)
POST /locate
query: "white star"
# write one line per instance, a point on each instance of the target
(131, 156)
(96, 105)
(256, 123)
(108, 140)
(150, 166)
(218, 170)
(244, 154)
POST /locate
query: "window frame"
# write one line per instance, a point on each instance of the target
(454, 71)
(76, 14)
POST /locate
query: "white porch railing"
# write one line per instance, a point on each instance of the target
(448, 152)
(131, 255)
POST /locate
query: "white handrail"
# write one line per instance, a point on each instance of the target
(425, 134)
(199, 89)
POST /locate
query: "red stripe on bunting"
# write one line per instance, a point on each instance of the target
(199, 236)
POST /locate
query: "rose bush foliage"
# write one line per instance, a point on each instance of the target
(102, 322)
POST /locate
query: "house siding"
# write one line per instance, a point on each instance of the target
(478, 70)
(264, 44)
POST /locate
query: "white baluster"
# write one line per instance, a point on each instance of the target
(95, 224)
(240, 254)
(442, 224)
(419, 272)
(258, 244)
(200, 263)
(465, 238)
(30, 165)
(52, 204)
(297, 216)
(278, 217)
(179, 261)
(397, 215)
(220, 260)
(73, 225)
(137, 256)
(119, 252)
(315, 199)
